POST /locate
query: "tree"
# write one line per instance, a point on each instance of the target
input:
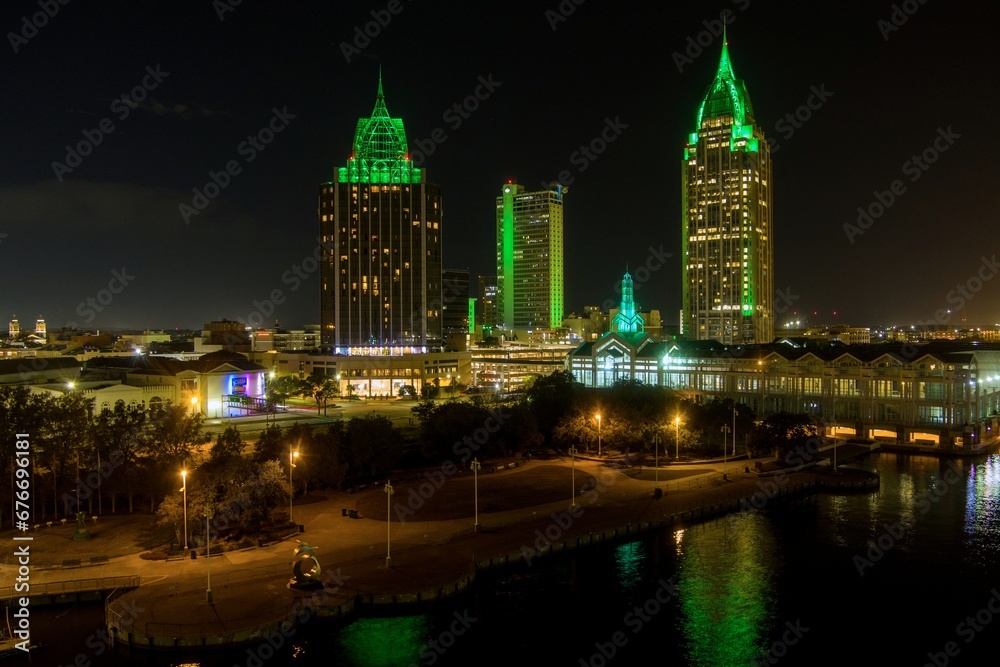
(268, 445)
(551, 398)
(173, 435)
(321, 387)
(21, 411)
(443, 425)
(63, 439)
(423, 410)
(430, 391)
(281, 388)
(327, 458)
(228, 446)
(118, 435)
(243, 500)
(374, 443)
(781, 433)
(576, 429)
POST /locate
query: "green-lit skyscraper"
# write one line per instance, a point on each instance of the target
(529, 258)
(727, 219)
(380, 228)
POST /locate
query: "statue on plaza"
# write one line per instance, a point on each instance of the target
(305, 568)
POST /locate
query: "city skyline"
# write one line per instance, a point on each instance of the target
(867, 110)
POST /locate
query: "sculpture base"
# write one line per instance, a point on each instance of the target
(306, 585)
(81, 536)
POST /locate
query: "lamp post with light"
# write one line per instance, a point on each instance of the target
(184, 477)
(291, 490)
(598, 415)
(677, 437)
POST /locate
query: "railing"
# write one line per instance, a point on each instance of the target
(74, 586)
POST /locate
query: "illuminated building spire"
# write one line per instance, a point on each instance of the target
(380, 150)
(627, 320)
(726, 95)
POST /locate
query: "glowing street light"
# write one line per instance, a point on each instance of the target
(476, 466)
(194, 404)
(677, 437)
(184, 476)
(388, 522)
(598, 416)
(291, 490)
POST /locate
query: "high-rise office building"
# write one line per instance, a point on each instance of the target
(727, 219)
(380, 227)
(455, 301)
(486, 307)
(529, 258)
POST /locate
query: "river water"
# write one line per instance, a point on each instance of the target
(906, 575)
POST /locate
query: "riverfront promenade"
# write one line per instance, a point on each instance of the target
(434, 552)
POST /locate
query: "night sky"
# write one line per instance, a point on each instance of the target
(211, 82)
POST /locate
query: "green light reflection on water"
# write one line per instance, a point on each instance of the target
(630, 559)
(385, 642)
(725, 590)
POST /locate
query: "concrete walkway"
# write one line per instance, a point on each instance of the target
(250, 597)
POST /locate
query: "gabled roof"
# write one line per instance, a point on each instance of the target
(222, 361)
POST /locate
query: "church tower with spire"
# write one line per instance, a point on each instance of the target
(626, 320)
(726, 218)
(380, 231)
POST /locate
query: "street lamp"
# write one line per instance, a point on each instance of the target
(291, 490)
(209, 513)
(598, 415)
(184, 476)
(194, 404)
(677, 437)
(388, 522)
(476, 466)
(572, 498)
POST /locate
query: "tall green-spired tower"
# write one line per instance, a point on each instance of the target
(380, 230)
(726, 218)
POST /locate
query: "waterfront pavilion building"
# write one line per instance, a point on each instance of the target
(945, 395)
